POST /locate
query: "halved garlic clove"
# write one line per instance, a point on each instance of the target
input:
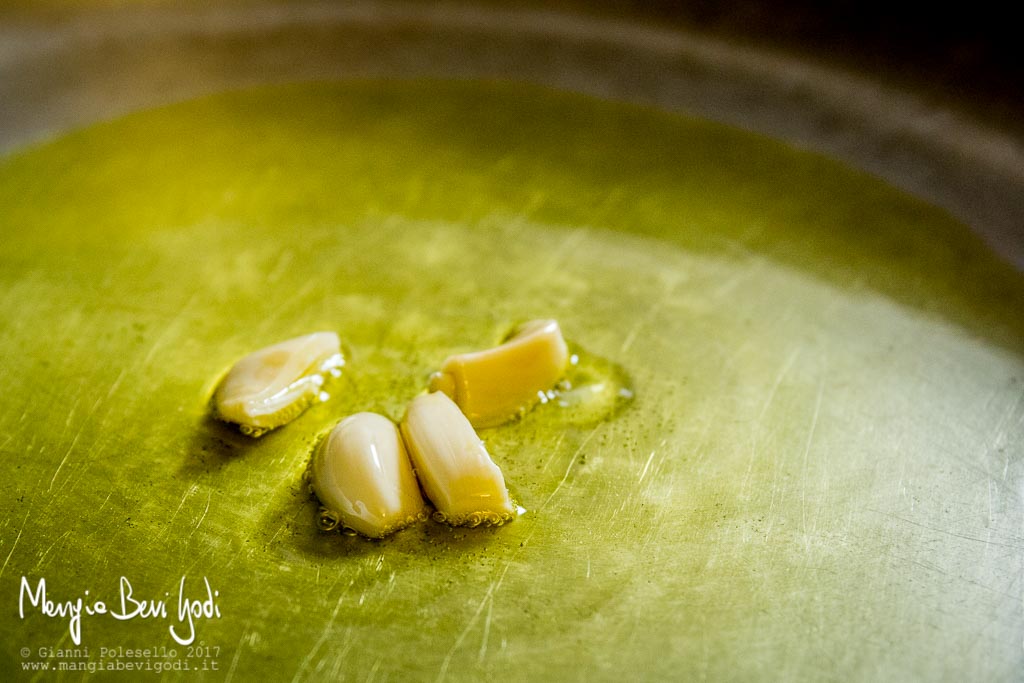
(496, 385)
(362, 475)
(272, 386)
(453, 466)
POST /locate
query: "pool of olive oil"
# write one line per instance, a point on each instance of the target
(800, 441)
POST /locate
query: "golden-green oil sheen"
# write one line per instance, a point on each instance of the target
(818, 477)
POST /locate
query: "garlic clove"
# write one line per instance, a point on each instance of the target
(453, 466)
(501, 383)
(272, 386)
(362, 475)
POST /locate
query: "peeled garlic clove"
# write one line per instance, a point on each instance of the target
(272, 386)
(362, 475)
(496, 385)
(453, 466)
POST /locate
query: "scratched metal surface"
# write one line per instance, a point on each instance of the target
(821, 476)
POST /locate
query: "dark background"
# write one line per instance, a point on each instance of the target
(970, 52)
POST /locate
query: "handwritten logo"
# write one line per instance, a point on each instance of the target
(127, 607)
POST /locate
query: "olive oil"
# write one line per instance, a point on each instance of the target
(809, 389)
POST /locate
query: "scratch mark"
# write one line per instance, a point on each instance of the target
(807, 451)
(283, 261)
(322, 639)
(729, 285)
(209, 497)
(57, 646)
(298, 298)
(992, 494)
(104, 503)
(117, 383)
(67, 424)
(42, 557)
(85, 422)
(554, 450)
(277, 532)
(744, 274)
(652, 312)
(488, 596)
(935, 568)
(372, 675)
(1001, 431)
(15, 545)
(647, 467)
(745, 486)
(783, 371)
(572, 462)
(559, 254)
(771, 501)
(234, 660)
(167, 332)
(191, 491)
(62, 461)
(947, 532)
(487, 632)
